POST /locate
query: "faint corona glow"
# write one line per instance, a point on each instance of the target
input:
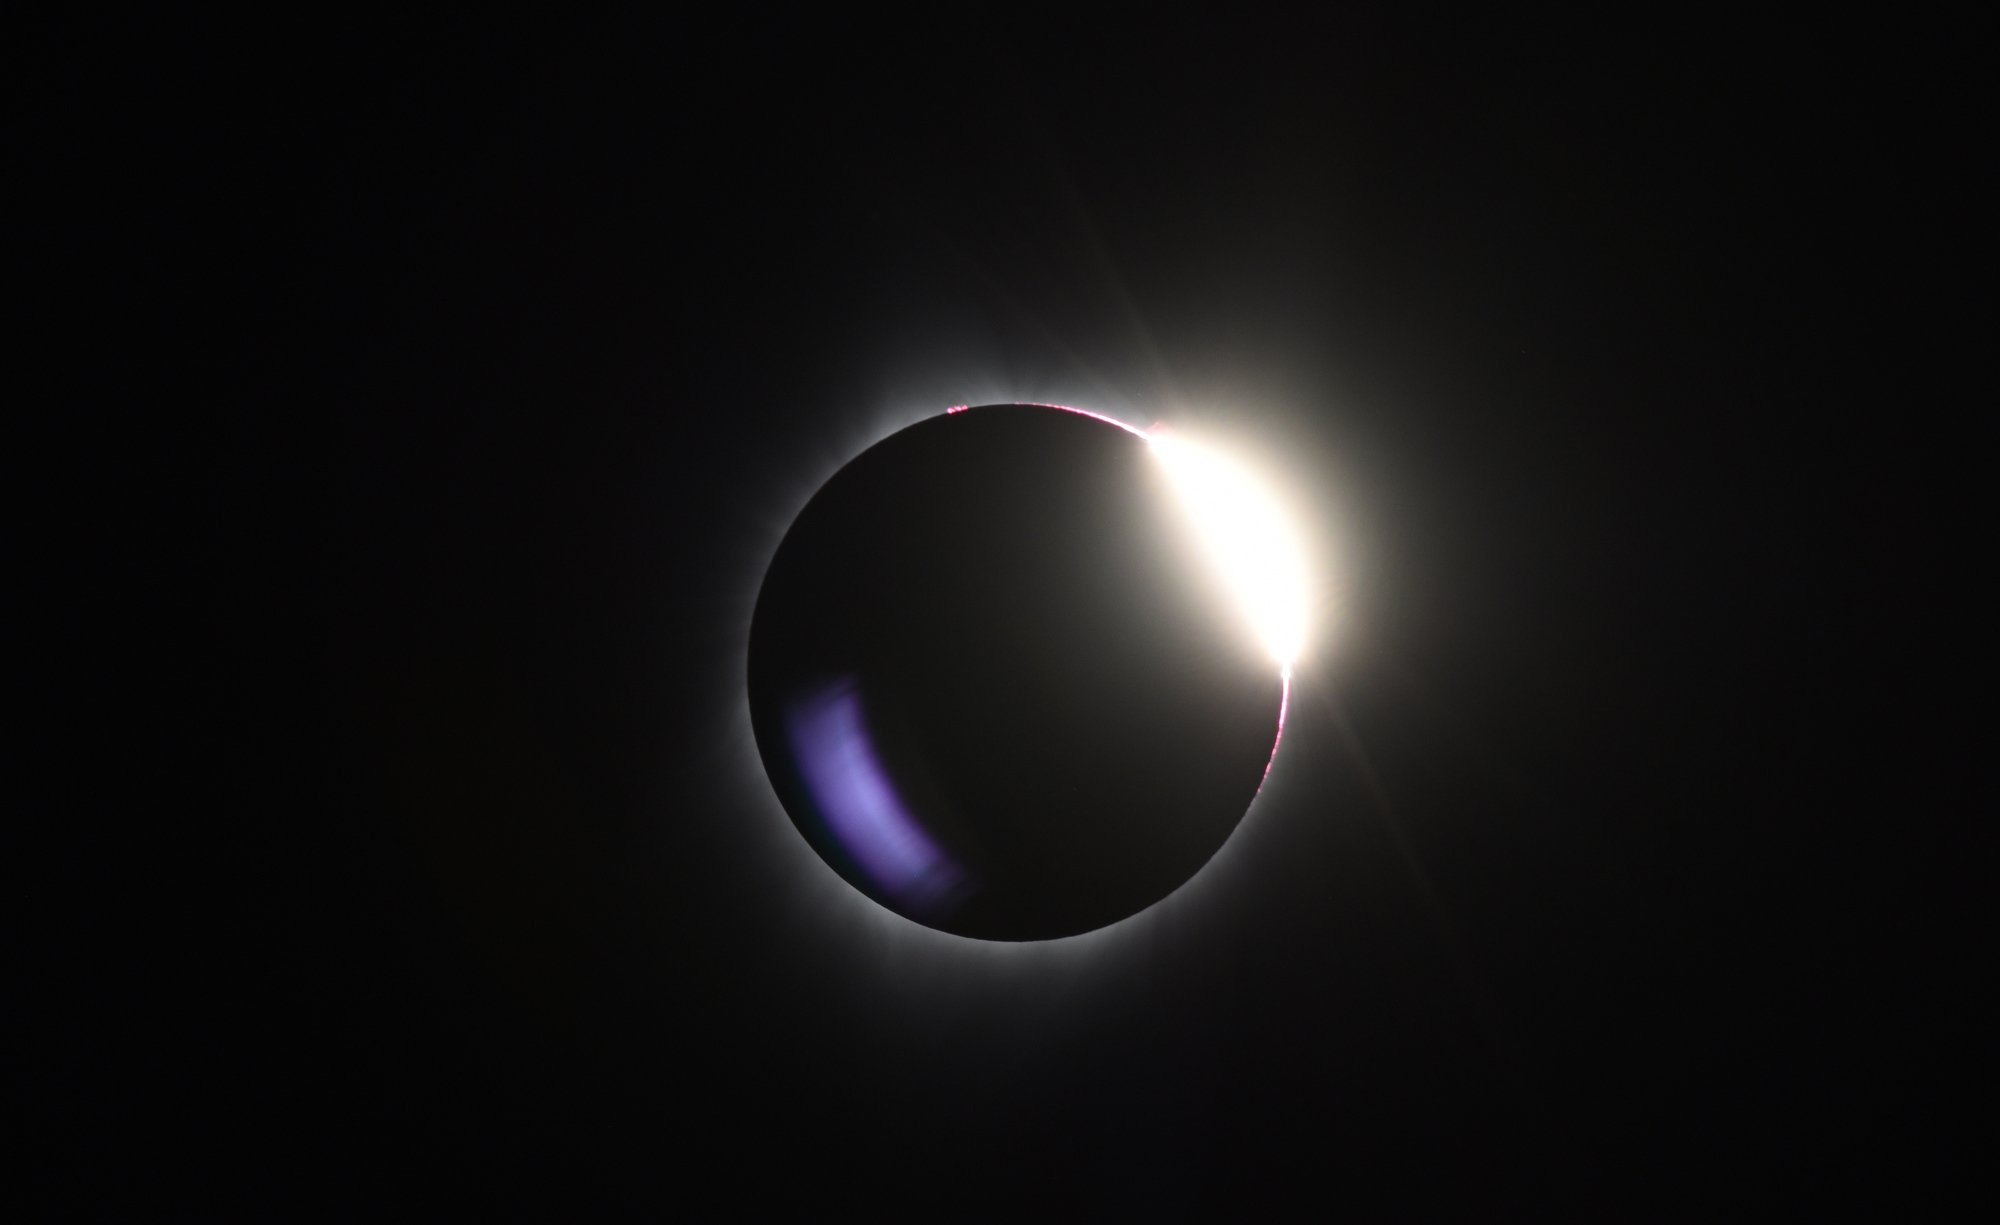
(1246, 537)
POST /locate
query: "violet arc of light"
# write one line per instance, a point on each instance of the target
(860, 806)
(1284, 706)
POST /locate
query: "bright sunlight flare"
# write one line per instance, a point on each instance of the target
(1246, 536)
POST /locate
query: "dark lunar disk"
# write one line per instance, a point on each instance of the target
(996, 686)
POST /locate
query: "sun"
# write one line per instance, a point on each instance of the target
(1247, 538)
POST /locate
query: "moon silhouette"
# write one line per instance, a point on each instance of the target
(998, 677)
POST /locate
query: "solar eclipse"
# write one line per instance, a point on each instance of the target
(1016, 672)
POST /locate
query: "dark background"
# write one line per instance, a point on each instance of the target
(409, 408)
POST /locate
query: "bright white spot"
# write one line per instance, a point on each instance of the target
(1247, 537)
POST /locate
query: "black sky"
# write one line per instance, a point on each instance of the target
(431, 394)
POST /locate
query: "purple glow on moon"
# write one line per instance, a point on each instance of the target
(864, 813)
